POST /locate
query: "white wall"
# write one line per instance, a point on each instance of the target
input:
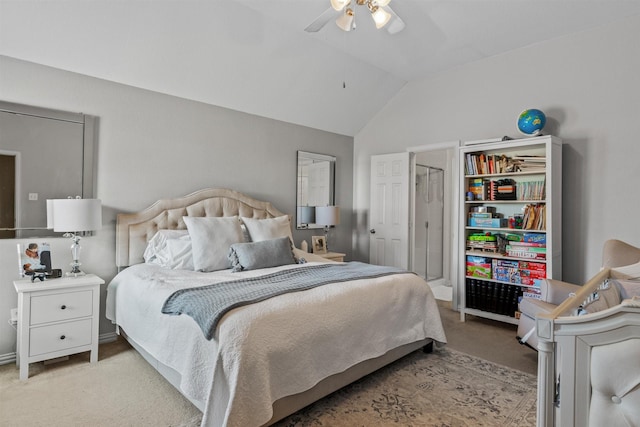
(153, 146)
(588, 86)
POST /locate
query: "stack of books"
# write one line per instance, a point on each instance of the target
(535, 217)
(529, 163)
(531, 190)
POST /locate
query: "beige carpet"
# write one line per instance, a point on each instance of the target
(446, 388)
(122, 389)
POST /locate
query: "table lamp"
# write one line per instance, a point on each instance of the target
(306, 215)
(327, 216)
(71, 217)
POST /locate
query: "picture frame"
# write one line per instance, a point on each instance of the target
(34, 259)
(319, 244)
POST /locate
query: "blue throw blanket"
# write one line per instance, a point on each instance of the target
(207, 304)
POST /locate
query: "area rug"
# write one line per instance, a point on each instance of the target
(445, 389)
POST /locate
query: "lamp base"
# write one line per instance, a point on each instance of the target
(326, 237)
(75, 273)
(75, 254)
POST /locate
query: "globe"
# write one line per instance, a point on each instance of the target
(531, 121)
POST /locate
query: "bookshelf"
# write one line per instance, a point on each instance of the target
(510, 223)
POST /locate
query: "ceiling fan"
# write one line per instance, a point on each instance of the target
(344, 10)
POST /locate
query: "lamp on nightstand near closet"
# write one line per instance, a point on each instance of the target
(327, 216)
(74, 216)
(306, 215)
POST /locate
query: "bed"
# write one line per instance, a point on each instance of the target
(268, 359)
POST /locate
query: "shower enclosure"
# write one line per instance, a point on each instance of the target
(429, 222)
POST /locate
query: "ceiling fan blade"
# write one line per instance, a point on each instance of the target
(396, 24)
(322, 20)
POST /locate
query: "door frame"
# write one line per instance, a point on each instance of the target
(450, 256)
(18, 185)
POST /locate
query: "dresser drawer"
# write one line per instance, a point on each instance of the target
(61, 336)
(62, 306)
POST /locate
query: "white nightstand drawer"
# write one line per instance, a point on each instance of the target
(62, 306)
(47, 339)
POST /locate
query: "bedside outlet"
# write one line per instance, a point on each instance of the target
(33, 196)
(14, 316)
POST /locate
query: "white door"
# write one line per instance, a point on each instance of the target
(389, 210)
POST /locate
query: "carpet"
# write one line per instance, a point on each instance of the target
(444, 388)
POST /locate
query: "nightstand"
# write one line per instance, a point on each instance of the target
(56, 318)
(333, 256)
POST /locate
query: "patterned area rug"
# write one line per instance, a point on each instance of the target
(445, 388)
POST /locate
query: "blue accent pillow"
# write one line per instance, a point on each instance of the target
(263, 254)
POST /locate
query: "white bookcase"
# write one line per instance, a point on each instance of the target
(496, 263)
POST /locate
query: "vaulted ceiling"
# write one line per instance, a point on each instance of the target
(254, 55)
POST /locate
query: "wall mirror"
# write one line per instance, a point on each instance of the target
(315, 186)
(44, 154)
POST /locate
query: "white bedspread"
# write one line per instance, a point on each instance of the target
(275, 348)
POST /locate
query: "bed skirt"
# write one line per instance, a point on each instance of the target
(290, 404)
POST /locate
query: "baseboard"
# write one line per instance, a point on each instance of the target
(7, 358)
(102, 339)
(108, 337)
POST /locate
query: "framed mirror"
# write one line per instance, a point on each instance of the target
(315, 186)
(44, 154)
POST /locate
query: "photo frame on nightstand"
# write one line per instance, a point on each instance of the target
(319, 244)
(34, 259)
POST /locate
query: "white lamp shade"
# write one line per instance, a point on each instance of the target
(306, 214)
(327, 215)
(381, 17)
(73, 215)
(345, 22)
(339, 4)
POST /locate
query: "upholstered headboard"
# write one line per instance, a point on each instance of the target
(134, 230)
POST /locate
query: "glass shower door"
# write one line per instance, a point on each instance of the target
(429, 245)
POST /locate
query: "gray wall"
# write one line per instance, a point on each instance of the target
(587, 84)
(153, 146)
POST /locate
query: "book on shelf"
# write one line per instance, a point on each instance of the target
(534, 217)
(481, 163)
(533, 159)
(531, 190)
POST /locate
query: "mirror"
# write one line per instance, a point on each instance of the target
(315, 186)
(44, 154)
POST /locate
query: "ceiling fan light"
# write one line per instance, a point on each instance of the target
(381, 17)
(339, 4)
(345, 21)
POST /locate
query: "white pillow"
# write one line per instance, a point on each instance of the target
(179, 255)
(158, 243)
(270, 228)
(211, 238)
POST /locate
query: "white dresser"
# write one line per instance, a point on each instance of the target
(56, 318)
